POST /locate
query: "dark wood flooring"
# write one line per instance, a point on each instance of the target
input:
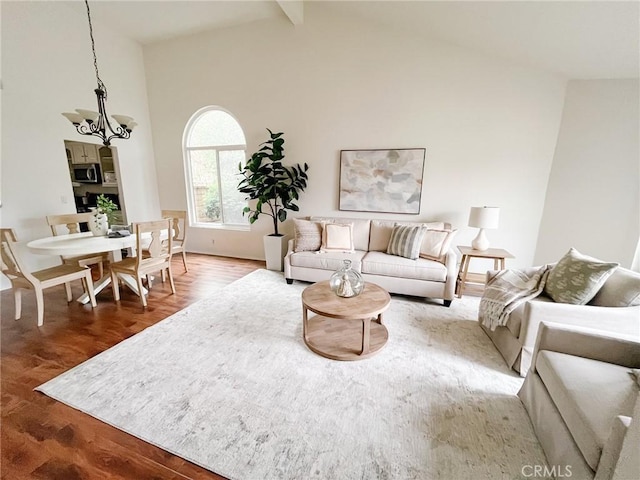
(46, 440)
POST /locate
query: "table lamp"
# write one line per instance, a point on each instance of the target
(482, 218)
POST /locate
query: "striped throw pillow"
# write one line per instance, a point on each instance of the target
(405, 240)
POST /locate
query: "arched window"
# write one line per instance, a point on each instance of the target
(214, 145)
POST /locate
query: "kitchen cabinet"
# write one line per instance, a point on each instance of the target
(109, 176)
(82, 153)
(105, 160)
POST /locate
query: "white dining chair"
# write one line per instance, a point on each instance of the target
(72, 223)
(149, 257)
(179, 226)
(21, 278)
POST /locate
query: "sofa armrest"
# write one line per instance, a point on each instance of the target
(628, 464)
(290, 246)
(587, 344)
(287, 260)
(618, 320)
(612, 448)
(451, 262)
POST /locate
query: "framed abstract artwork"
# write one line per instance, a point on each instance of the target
(388, 181)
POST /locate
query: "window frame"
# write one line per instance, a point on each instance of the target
(190, 190)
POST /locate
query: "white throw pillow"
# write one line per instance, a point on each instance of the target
(436, 244)
(337, 237)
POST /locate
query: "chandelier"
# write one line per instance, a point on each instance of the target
(88, 122)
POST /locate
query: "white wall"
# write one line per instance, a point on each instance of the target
(47, 68)
(593, 198)
(489, 126)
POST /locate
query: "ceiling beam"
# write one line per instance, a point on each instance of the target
(294, 9)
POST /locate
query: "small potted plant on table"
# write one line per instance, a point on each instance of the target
(102, 216)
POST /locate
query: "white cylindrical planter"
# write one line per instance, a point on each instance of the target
(99, 224)
(275, 248)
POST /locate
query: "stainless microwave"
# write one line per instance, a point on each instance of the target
(89, 173)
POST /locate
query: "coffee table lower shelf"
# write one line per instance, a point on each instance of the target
(340, 339)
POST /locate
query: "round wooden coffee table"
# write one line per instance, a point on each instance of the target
(342, 327)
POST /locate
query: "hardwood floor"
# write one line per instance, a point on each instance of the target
(44, 439)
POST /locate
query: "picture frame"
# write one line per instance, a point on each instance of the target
(382, 180)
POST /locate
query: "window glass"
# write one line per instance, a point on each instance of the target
(215, 127)
(214, 146)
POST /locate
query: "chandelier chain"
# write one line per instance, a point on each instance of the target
(101, 85)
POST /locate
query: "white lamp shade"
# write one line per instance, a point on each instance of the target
(123, 120)
(74, 118)
(88, 114)
(484, 217)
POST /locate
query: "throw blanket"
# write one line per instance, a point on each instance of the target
(506, 291)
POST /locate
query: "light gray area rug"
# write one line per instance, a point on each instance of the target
(229, 384)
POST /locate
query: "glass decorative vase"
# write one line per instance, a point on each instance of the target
(346, 282)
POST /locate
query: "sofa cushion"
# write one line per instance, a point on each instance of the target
(405, 240)
(337, 237)
(436, 244)
(360, 229)
(308, 235)
(576, 278)
(379, 263)
(589, 395)
(622, 289)
(326, 261)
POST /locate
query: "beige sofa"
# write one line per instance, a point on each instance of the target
(581, 396)
(421, 277)
(516, 340)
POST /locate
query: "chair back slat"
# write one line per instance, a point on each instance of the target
(158, 249)
(71, 221)
(9, 265)
(179, 223)
(12, 264)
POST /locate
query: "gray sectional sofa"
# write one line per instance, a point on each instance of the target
(421, 277)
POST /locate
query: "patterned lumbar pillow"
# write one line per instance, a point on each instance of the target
(406, 240)
(337, 237)
(576, 278)
(436, 244)
(308, 235)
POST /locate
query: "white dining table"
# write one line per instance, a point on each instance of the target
(86, 243)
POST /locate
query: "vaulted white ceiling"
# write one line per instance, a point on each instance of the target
(578, 39)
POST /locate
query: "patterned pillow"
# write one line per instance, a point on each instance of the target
(406, 240)
(576, 278)
(308, 235)
(337, 237)
(436, 244)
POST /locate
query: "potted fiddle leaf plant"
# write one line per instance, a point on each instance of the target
(275, 188)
